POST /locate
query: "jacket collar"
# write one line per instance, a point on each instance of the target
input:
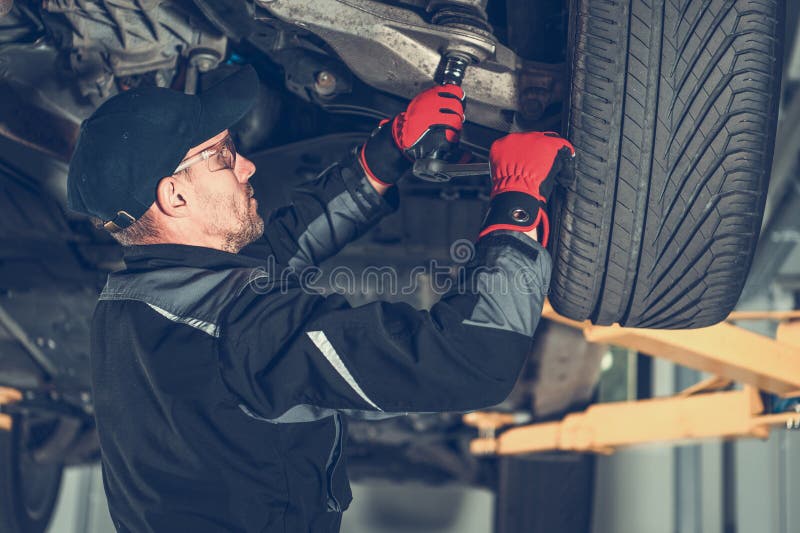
(157, 256)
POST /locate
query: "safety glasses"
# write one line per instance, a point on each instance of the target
(221, 156)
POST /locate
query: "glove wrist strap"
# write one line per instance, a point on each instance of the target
(516, 211)
(382, 159)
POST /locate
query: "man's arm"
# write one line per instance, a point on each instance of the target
(292, 354)
(285, 354)
(350, 197)
(325, 214)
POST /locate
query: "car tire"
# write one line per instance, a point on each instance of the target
(30, 488)
(673, 107)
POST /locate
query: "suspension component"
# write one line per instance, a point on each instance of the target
(462, 16)
(453, 68)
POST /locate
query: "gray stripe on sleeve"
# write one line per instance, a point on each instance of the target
(511, 288)
(329, 231)
(321, 341)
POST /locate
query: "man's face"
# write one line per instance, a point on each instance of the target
(224, 206)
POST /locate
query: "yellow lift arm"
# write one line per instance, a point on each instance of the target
(7, 395)
(728, 352)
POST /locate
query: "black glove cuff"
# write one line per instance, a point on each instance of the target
(513, 211)
(382, 158)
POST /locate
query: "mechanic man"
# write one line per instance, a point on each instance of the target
(219, 396)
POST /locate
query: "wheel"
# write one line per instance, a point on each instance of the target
(673, 110)
(29, 487)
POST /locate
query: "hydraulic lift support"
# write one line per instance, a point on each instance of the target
(728, 352)
(7, 395)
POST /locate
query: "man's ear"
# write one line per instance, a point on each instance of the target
(172, 197)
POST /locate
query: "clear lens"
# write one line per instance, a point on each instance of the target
(224, 156)
(219, 157)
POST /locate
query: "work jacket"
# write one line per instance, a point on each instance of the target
(221, 381)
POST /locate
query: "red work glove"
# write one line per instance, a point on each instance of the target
(524, 169)
(430, 125)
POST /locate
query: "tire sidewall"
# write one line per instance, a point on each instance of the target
(16, 516)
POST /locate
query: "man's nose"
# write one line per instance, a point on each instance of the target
(244, 168)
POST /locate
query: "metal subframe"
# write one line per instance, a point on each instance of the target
(398, 51)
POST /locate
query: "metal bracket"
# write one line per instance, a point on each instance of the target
(18, 332)
(398, 51)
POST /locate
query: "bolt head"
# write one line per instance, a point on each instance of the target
(204, 61)
(204, 65)
(531, 109)
(325, 83)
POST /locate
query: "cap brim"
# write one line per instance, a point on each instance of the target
(225, 103)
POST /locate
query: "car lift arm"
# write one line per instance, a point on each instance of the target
(728, 352)
(7, 396)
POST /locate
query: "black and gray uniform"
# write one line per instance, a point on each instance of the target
(220, 390)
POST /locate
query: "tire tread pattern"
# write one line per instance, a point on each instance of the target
(674, 119)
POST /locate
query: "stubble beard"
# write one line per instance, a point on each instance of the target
(247, 225)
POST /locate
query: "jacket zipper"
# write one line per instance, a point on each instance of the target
(333, 462)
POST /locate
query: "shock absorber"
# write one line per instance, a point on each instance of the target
(467, 18)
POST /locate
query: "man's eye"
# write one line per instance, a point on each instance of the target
(222, 156)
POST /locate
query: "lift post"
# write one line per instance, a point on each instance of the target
(728, 352)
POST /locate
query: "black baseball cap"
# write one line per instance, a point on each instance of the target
(137, 137)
